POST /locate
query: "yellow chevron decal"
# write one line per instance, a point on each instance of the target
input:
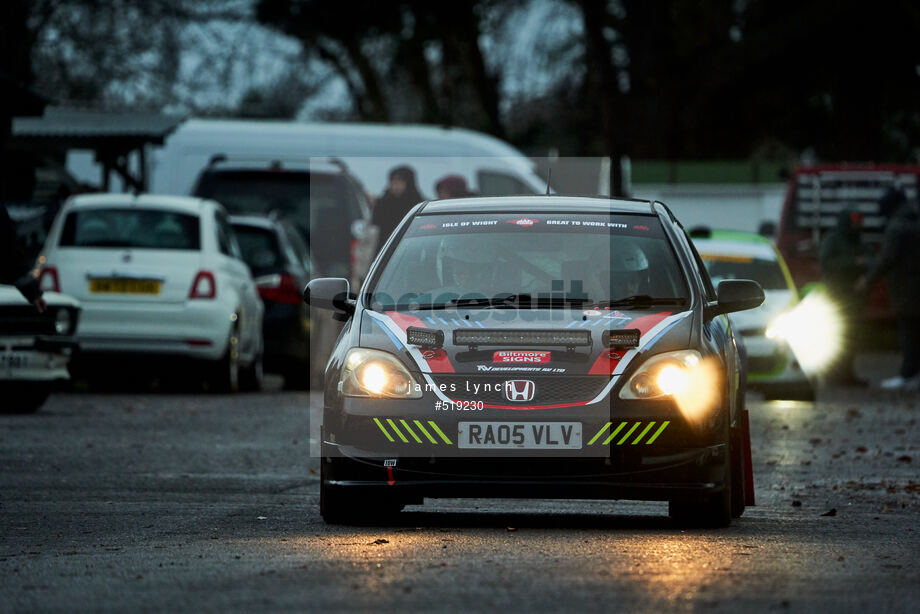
(412, 427)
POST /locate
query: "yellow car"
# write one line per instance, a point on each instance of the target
(772, 365)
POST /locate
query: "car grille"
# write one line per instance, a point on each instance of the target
(549, 390)
(24, 320)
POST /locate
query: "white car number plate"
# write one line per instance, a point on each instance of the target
(519, 435)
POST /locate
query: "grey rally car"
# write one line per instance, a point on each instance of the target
(541, 347)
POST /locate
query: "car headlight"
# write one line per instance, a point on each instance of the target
(62, 321)
(813, 329)
(668, 374)
(684, 376)
(376, 374)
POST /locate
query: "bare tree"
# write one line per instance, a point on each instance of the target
(409, 60)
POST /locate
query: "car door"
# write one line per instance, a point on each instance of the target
(238, 277)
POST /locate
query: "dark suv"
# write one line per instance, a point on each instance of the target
(326, 204)
(536, 347)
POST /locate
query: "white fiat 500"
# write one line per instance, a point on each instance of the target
(158, 277)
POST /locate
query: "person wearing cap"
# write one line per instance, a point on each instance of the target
(15, 268)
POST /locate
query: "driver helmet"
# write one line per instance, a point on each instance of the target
(629, 271)
(467, 261)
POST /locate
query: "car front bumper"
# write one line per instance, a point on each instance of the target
(664, 475)
(772, 363)
(35, 359)
(629, 449)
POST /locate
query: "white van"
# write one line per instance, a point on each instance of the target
(490, 166)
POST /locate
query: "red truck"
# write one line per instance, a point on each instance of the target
(814, 197)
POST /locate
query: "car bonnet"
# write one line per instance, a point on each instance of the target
(659, 330)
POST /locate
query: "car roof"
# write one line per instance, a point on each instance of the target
(735, 243)
(346, 138)
(186, 204)
(538, 204)
(274, 165)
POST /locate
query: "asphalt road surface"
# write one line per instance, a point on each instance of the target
(180, 502)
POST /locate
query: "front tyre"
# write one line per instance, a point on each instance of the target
(713, 511)
(353, 505)
(24, 399)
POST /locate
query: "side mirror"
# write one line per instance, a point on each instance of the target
(329, 293)
(735, 295)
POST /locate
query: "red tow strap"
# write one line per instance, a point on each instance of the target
(748, 463)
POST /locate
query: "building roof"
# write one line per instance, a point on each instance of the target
(80, 126)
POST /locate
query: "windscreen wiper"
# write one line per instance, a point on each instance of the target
(519, 300)
(641, 300)
(482, 303)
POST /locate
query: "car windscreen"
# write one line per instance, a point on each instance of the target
(765, 272)
(131, 228)
(260, 247)
(559, 259)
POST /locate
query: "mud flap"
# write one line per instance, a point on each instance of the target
(748, 463)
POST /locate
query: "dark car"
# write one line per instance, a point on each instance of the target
(536, 347)
(280, 264)
(35, 348)
(324, 202)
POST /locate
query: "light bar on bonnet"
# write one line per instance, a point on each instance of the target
(624, 338)
(424, 337)
(540, 338)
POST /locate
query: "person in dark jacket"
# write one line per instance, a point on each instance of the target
(401, 195)
(899, 264)
(15, 269)
(844, 259)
